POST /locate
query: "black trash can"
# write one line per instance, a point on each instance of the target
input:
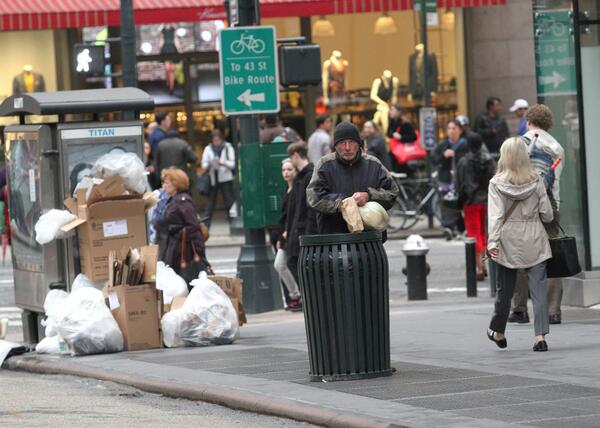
(344, 284)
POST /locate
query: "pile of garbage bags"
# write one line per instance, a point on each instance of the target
(79, 322)
(207, 317)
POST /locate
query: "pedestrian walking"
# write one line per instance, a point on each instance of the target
(491, 126)
(474, 173)
(375, 144)
(446, 156)
(320, 140)
(175, 151)
(274, 132)
(291, 290)
(219, 161)
(519, 108)
(160, 132)
(184, 251)
(301, 219)
(347, 173)
(517, 206)
(546, 156)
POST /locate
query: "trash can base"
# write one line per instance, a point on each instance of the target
(352, 376)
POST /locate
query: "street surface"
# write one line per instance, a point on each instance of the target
(66, 401)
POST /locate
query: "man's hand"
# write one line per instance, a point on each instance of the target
(448, 153)
(494, 252)
(284, 235)
(150, 169)
(361, 198)
(397, 136)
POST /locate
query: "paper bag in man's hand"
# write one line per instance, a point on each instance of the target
(351, 214)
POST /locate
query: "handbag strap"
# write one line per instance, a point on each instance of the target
(182, 261)
(510, 211)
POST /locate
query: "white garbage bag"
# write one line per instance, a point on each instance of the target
(207, 317)
(171, 284)
(52, 345)
(374, 216)
(88, 326)
(48, 226)
(81, 281)
(54, 307)
(127, 165)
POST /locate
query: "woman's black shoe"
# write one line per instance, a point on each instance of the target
(541, 346)
(501, 343)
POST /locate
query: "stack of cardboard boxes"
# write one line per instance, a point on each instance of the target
(110, 220)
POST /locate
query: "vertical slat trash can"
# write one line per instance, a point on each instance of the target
(344, 284)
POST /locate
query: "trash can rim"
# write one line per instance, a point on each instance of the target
(340, 238)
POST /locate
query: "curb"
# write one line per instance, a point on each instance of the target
(224, 397)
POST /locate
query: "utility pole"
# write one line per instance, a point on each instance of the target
(426, 93)
(262, 291)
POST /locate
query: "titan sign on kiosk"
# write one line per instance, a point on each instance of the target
(44, 164)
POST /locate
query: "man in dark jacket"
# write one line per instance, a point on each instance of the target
(301, 219)
(347, 173)
(492, 127)
(376, 145)
(174, 151)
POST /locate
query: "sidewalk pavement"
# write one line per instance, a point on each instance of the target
(448, 373)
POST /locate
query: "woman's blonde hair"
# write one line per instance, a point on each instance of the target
(514, 162)
(177, 177)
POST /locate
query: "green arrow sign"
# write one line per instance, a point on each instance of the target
(554, 53)
(249, 78)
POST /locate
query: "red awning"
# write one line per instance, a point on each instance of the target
(58, 14)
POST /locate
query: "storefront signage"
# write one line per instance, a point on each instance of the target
(554, 53)
(428, 121)
(248, 64)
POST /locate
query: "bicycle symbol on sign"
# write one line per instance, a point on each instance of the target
(249, 43)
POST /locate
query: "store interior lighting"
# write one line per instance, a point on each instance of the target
(323, 28)
(146, 47)
(206, 36)
(181, 32)
(385, 24)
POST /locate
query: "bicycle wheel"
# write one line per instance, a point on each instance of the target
(258, 46)
(402, 217)
(237, 47)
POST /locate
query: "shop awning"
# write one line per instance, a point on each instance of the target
(59, 14)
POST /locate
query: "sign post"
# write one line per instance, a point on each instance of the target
(249, 72)
(554, 53)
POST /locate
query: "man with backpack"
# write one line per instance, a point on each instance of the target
(546, 156)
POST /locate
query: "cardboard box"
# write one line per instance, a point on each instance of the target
(136, 308)
(107, 220)
(233, 288)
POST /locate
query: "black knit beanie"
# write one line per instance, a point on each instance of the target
(346, 131)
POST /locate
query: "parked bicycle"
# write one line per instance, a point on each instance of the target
(417, 198)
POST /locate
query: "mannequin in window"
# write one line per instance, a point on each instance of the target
(169, 45)
(384, 91)
(417, 75)
(28, 81)
(334, 77)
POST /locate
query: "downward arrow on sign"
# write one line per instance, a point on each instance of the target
(247, 97)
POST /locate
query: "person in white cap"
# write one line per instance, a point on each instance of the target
(519, 108)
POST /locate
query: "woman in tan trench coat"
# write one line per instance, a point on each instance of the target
(517, 205)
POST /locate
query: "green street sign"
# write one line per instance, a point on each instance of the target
(249, 73)
(554, 52)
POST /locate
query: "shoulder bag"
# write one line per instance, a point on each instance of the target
(564, 261)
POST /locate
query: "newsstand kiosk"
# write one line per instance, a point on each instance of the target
(44, 163)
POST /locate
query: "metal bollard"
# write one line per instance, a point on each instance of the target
(471, 267)
(492, 275)
(415, 250)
